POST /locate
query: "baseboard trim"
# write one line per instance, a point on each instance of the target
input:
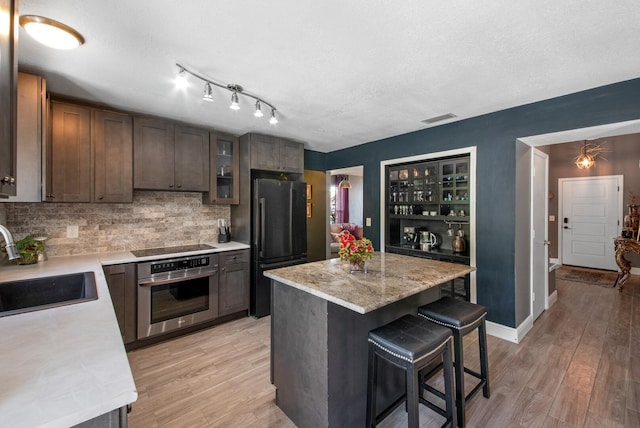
(510, 334)
(553, 298)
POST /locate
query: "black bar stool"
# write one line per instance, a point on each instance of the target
(410, 343)
(462, 318)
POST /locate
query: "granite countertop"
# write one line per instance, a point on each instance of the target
(66, 365)
(389, 278)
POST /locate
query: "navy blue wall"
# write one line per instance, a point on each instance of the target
(494, 135)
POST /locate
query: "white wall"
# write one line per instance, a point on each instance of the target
(355, 200)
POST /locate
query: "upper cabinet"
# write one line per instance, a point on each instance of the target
(69, 154)
(170, 157)
(32, 129)
(275, 154)
(8, 90)
(224, 180)
(89, 155)
(113, 156)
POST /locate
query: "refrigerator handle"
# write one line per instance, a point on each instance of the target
(291, 217)
(261, 203)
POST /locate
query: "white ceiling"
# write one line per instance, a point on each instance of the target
(340, 73)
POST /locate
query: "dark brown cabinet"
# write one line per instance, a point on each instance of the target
(275, 154)
(170, 157)
(121, 280)
(233, 282)
(69, 154)
(89, 155)
(225, 164)
(8, 91)
(113, 157)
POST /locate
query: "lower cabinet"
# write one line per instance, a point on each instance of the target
(233, 282)
(121, 280)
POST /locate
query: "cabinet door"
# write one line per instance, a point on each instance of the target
(152, 154)
(8, 85)
(112, 157)
(234, 282)
(225, 166)
(291, 156)
(70, 154)
(265, 152)
(121, 280)
(191, 159)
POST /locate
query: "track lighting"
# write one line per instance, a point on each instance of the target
(273, 119)
(236, 90)
(258, 112)
(208, 92)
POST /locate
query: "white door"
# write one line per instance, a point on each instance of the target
(590, 213)
(539, 233)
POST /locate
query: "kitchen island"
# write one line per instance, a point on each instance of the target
(320, 317)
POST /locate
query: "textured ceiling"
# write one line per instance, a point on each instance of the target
(340, 73)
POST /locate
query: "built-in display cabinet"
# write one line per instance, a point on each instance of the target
(225, 163)
(427, 208)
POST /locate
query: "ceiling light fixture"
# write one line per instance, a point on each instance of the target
(208, 92)
(235, 90)
(51, 33)
(181, 79)
(345, 183)
(588, 153)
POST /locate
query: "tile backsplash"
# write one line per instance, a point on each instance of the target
(154, 219)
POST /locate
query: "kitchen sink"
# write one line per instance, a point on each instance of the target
(35, 294)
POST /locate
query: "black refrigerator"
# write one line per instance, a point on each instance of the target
(279, 234)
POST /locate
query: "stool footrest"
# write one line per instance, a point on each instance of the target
(434, 391)
(433, 407)
(475, 390)
(386, 412)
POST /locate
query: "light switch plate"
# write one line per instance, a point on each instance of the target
(552, 218)
(367, 222)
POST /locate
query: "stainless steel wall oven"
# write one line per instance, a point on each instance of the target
(176, 293)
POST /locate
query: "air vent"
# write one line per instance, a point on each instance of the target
(439, 118)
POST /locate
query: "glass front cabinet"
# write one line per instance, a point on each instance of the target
(427, 205)
(225, 164)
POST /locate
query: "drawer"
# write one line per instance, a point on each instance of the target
(237, 256)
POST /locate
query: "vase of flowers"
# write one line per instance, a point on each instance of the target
(355, 251)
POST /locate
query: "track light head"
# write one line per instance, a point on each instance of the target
(273, 119)
(234, 102)
(181, 79)
(208, 92)
(258, 112)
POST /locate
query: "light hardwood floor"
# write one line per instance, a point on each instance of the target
(578, 367)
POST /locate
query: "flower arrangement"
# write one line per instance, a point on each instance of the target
(355, 251)
(28, 247)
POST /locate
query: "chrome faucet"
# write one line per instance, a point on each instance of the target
(12, 251)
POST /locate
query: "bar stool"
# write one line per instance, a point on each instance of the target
(410, 343)
(462, 318)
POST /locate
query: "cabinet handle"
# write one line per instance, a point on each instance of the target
(171, 186)
(179, 186)
(100, 198)
(223, 270)
(8, 180)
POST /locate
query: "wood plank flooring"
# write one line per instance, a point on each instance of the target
(578, 367)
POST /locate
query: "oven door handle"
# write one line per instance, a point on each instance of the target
(152, 283)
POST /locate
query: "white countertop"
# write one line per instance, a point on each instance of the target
(66, 365)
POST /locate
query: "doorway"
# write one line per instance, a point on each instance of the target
(589, 213)
(338, 206)
(540, 233)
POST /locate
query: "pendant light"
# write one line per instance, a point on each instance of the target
(258, 112)
(234, 102)
(345, 183)
(208, 92)
(585, 160)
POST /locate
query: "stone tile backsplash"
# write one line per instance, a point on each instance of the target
(154, 219)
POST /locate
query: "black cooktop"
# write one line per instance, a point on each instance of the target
(170, 250)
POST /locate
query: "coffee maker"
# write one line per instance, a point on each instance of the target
(409, 237)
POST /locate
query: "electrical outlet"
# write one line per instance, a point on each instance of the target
(367, 222)
(72, 231)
